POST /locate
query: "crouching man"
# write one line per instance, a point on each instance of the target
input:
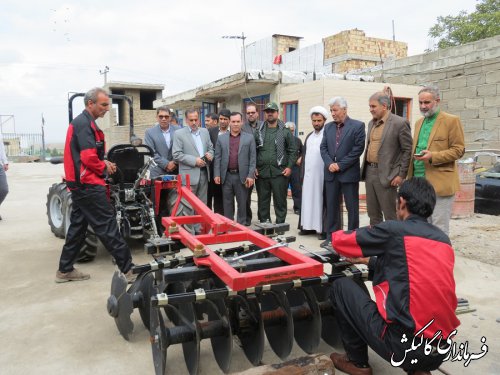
(411, 262)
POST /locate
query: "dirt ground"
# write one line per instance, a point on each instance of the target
(477, 238)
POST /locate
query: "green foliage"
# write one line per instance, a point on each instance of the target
(465, 28)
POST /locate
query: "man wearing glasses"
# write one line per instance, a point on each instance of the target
(160, 138)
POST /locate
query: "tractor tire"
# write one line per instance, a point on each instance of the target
(88, 251)
(55, 209)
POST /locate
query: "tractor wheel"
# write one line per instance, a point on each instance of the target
(88, 251)
(55, 209)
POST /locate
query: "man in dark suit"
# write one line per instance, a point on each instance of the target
(160, 138)
(295, 183)
(387, 158)
(234, 167)
(251, 125)
(342, 145)
(214, 198)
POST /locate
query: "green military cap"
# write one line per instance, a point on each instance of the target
(271, 107)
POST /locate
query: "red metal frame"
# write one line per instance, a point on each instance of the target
(219, 229)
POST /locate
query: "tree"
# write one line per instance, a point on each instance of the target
(465, 28)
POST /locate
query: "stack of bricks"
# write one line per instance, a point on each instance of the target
(283, 43)
(351, 45)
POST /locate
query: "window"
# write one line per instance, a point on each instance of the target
(147, 97)
(402, 107)
(259, 101)
(207, 108)
(291, 113)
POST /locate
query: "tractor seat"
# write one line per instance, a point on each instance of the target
(129, 160)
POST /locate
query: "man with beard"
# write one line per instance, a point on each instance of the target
(211, 121)
(438, 142)
(313, 211)
(249, 127)
(386, 160)
(276, 154)
(214, 197)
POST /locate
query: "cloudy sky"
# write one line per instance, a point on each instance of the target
(50, 48)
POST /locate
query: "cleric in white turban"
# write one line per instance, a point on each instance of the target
(313, 210)
(320, 110)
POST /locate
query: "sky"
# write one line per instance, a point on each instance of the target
(50, 48)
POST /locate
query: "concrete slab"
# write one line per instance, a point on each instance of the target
(48, 328)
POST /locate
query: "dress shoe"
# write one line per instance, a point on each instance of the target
(342, 363)
(326, 243)
(305, 232)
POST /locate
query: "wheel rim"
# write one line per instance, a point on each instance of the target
(56, 211)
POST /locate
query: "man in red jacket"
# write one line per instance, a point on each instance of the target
(411, 262)
(85, 168)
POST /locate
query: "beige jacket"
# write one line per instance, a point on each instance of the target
(446, 142)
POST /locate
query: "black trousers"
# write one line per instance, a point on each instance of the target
(214, 198)
(350, 191)
(232, 189)
(296, 187)
(91, 206)
(249, 206)
(361, 325)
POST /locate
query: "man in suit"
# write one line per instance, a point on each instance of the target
(438, 142)
(234, 167)
(214, 199)
(250, 127)
(387, 158)
(276, 155)
(160, 139)
(342, 145)
(295, 184)
(193, 151)
(211, 121)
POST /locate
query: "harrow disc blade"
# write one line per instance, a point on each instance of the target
(330, 331)
(120, 305)
(158, 339)
(307, 328)
(146, 288)
(183, 315)
(249, 328)
(280, 335)
(222, 345)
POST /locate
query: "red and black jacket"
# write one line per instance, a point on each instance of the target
(84, 153)
(413, 273)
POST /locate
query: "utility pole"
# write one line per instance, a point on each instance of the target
(393, 33)
(242, 37)
(43, 138)
(105, 73)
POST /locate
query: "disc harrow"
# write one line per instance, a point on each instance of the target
(230, 296)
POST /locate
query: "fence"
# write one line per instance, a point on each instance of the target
(23, 146)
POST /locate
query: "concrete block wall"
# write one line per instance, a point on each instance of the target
(468, 77)
(283, 43)
(354, 42)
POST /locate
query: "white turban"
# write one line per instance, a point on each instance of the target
(319, 109)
